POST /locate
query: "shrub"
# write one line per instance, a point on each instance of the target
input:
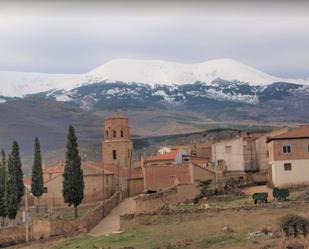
(205, 191)
(293, 225)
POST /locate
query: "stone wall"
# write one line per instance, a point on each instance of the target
(211, 211)
(41, 229)
(161, 200)
(12, 235)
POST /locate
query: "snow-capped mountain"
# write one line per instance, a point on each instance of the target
(150, 72)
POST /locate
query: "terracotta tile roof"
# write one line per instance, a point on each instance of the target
(163, 157)
(300, 132)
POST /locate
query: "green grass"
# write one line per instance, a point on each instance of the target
(66, 213)
(131, 238)
(231, 201)
(222, 202)
(186, 206)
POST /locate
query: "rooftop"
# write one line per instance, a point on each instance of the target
(163, 157)
(116, 116)
(301, 131)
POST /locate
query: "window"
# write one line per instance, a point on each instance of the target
(287, 167)
(286, 148)
(106, 134)
(121, 133)
(114, 155)
(228, 149)
(114, 133)
(308, 148)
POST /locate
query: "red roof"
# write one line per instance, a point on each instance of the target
(300, 132)
(170, 156)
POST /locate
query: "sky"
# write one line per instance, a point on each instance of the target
(77, 36)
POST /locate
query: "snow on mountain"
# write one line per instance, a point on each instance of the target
(18, 84)
(162, 72)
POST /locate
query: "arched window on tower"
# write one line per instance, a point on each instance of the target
(114, 155)
(114, 133)
(121, 133)
(106, 134)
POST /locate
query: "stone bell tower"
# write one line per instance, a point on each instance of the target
(117, 145)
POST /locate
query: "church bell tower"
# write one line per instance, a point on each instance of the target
(117, 145)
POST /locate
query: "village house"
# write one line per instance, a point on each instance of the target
(289, 157)
(239, 153)
(243, 154)
(166, 156)
(172, 167)
(99, 184)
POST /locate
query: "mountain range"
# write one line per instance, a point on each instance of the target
(150, 72)
(159, 97)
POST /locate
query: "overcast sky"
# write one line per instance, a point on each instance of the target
(76, 36)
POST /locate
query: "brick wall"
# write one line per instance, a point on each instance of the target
(136, 186)
(162, 177)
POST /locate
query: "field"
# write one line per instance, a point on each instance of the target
(194, 231)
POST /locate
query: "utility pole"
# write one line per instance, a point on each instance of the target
(103, 185)
(26, 216)
(118, 179)
(129, 180)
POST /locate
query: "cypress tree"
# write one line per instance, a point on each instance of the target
(3, 158)
(73, 179)
(15, 157)
(11, 191)
(37, 184)
(2, 186)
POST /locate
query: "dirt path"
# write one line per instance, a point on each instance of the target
(111, 223)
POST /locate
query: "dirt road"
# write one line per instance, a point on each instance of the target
(111, 223)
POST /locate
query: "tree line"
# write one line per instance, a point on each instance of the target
(12, 187)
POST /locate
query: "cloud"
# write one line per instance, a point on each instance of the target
(73, 38)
